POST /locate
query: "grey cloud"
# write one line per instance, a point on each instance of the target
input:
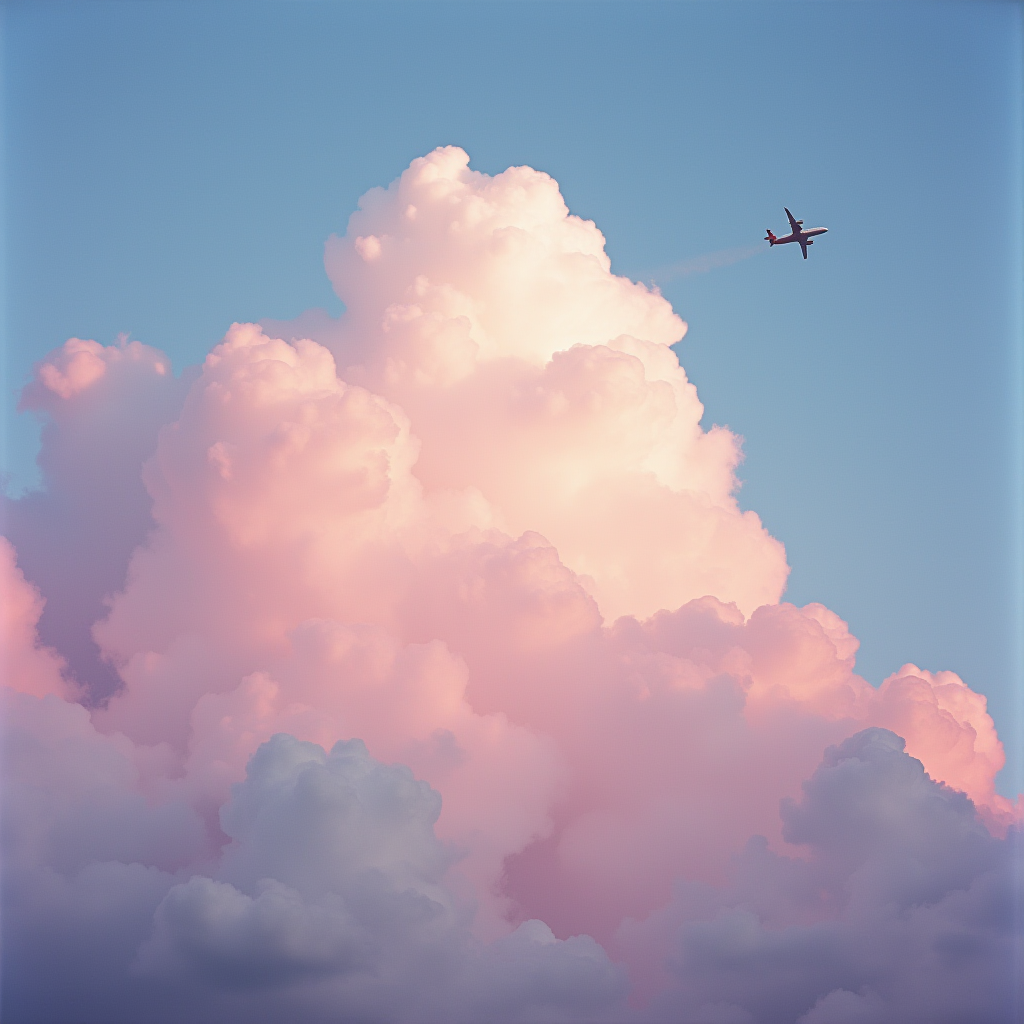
(902, 914)
(230, 939)
(328, 902)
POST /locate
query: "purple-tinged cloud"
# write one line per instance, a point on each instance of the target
(905, 909)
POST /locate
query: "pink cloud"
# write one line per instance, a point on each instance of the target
(440, 639)
(102, 407)
(79, 364)
(489, 304)
(28, 666)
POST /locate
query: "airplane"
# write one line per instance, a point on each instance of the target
(798, 234)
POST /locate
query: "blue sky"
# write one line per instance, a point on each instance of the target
(172, 167)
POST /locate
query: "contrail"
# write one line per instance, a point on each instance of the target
(708, 261)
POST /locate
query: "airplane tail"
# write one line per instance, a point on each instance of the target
(770, 238)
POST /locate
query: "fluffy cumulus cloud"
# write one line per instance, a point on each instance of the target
(901, 908)
(420, 665)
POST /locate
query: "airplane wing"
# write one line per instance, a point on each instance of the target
(803, 245)
(793, 222)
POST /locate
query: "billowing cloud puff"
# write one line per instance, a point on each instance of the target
(327, 898)
(483, 301)
(902, 911)
(429, 671)
(333, 876)
(103, 406)
(27, 665)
